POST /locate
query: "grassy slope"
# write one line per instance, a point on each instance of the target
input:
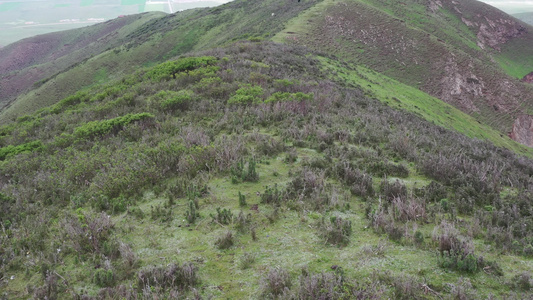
(340, 126)
(30, 63)
(415, 46)
(163, 39)
(401, 96)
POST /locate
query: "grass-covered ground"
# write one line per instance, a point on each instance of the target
(259, 170)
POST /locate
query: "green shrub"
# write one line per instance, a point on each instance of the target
(9, 151)
(161, 213)
(171, 100)
(223, 216)
(272, 195)
(336, 232)
(225, 241)
(457, 261)
(247, 95)
(96, 128)
(191, 214)
(239, 173)
(242, 199)
(169, 69)
(69, 101)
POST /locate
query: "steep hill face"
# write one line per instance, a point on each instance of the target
(466, 53)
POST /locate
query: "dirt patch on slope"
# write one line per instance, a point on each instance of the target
(523, 130)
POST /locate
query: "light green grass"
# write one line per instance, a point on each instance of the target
(402, 96)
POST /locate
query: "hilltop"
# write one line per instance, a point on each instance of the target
(208, 161)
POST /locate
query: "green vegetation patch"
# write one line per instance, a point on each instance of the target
(247, 95)
(171, 100)
(399, 95)
(95, 128)
(11, 150)
(169, 69)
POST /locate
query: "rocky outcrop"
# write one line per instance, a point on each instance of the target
(492, 33)
(523, 130)
(493, 29)
(528, 78)
(460, 86)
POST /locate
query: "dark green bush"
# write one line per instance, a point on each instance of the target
(161, 213)
(171, 100)
(272, 195)
(191, 214)
(241, 172)
(284, 96)
(242, 199)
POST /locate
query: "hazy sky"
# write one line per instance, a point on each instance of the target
(512, 6)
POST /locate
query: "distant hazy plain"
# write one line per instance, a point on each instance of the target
(24, 18)
(512, 6)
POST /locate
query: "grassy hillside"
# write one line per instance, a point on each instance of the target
(30, 63)
(404, 97)
(153, 42)
(445, 49)
(250, 172)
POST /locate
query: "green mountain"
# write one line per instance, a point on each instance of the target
(207, 161)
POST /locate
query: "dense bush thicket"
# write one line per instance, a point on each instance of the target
(219, 114)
